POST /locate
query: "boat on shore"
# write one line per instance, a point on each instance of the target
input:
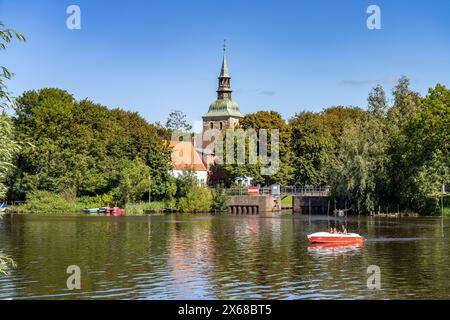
(115, 211)
(341, 238)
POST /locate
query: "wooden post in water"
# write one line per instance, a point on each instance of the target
(310, 213)
(328, 214)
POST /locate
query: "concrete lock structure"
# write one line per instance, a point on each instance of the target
(310, 204)
(254, 204)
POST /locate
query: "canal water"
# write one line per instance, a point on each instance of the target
(222, 257)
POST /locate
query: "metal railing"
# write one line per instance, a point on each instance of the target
(284, 191)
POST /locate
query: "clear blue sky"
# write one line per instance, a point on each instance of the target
(289, 56)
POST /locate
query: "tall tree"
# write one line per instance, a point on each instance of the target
(312, 145)
(267, 120)
(427, 151)
(177, 122)
(399, 118)
(377, 102)
(8, 145)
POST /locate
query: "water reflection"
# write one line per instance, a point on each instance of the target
(222, 257)
(333, 248)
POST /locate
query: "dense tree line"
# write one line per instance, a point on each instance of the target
(385, 158)
(80, 148)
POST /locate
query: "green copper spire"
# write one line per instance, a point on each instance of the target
(224, 71)
(224, 106)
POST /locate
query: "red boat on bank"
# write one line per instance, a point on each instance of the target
(116, 211)
(340, 238)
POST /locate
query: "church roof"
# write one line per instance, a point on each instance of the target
(223, 108)
(184, 156)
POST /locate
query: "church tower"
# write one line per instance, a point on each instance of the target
(223, 113)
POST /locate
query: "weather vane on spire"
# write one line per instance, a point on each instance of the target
(224, 44)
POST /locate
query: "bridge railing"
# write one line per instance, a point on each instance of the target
(284, 190)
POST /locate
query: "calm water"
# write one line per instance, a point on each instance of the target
(224, 257)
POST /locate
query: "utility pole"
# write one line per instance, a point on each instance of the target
(149, 188)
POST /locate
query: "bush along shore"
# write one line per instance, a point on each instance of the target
(196, 199)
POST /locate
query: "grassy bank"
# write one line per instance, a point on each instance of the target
(135, 209)
(447, 211)
(287, 201)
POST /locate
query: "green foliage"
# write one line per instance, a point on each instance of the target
(312, 146)
(185, 183)
(84, 149)
(426, 151)
(6, 36)
(197, 199)
(8, 148)
(8, 144)
(134, 180)
(138, 208)
(360, 172)
(377, 103)
(6, 264)
(177, 122)
(315, 142)
(106, 199)
(219, 199)
(287, 201)
(40, 201)
(264, 120)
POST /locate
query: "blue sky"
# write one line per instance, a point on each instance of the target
(288, 56)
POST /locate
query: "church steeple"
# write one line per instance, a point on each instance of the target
(223, 113)
(224, 89)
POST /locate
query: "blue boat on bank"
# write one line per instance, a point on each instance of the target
(3, 207)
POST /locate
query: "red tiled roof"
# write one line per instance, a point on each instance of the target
(184, 156)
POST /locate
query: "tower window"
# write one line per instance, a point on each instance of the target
(221, 126)
(211, 125)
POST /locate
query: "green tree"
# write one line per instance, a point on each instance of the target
(6, 36)
(219, 199)
(267, 120)
(177, 122)
(399, 118)
(197, 199)
(8, 144)
(427, 151)
(360, 173)
(312, 145)
(377, 103)
(134, 180)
